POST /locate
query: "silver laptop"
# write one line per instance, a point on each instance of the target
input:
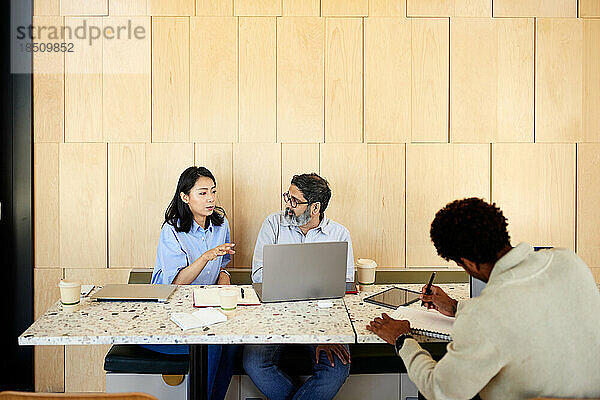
(304, 271)
(160, 293)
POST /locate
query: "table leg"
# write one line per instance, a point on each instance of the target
(198, 372)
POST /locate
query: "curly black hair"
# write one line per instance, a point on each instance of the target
(471, 229)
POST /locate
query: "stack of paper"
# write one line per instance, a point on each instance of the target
(198, 319)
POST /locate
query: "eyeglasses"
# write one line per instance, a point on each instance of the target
(292, 200)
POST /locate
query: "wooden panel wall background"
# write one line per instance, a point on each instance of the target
(403, 105)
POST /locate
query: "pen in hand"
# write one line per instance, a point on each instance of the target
(428, 289)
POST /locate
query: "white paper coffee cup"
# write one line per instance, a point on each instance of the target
(70, 295)
(229, 299)
(366, 271)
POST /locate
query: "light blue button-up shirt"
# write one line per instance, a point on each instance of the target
(177, 250)
(276, 230)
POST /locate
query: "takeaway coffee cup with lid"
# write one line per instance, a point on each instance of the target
(70, 292)
(366, 271)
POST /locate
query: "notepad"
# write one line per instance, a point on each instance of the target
(209, 297)
(198, 319)
(428, 323)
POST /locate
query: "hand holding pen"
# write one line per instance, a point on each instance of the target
(427, 290)
(439, 300)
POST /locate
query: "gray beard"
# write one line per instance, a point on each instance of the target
(297, 220)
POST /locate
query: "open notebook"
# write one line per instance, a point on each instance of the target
(209, 297)
(429, 323)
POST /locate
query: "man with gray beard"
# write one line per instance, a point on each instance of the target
(303, 221)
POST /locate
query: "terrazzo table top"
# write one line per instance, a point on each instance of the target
(361, 312)
(149, 323)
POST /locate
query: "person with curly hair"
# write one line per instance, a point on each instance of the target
(533, 331)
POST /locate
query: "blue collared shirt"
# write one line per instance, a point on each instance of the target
(177, 250)
(275, 230)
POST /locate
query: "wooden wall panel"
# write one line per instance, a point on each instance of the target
(258, 79)
(213, 79)
(171, 7)
(83, 7)
(218, 158)
(491, 80)
(344, 80)
(48, 86)
(437, 174)
(83, 208)
(257, 8)
(595, 273)
(127, 7)
(49, 361)
(387, 8)
(126, 85)
(127, 194)
(535, 8)
(46, 7)
(386, 204)
(170, 79)
(256, 194)
(449, 8)
(534, 186)
(344, 8)
(164, 164)
(214, 8)
(46, 222)
(591, 80)
(430, 81)
(588, 196)
(301, 8)
(83, 86)
(300, 77)
(344, 166)
(589, 8)
(298, 159)
(387, 77)
(559, 80)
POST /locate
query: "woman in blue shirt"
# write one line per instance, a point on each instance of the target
(193, 249)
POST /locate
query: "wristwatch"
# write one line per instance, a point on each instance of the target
(401, 339)
(227, 272)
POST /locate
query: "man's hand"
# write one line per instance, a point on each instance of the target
(223, 279)
(439, 301)
(331, 349)
(212, 254)
(388, 328)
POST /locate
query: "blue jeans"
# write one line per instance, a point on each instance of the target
(261, 364)
(220, 364)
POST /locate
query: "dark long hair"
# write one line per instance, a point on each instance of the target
(178, 213)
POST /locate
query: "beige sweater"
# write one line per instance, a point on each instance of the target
(534, 331)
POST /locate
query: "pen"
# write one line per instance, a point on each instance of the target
(428, 288)
(242, 289)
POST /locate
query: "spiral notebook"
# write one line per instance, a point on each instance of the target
(428, 323)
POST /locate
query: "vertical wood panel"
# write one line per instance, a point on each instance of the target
(387, 8)
(437, 174)
(430, 81)
(298, 159)
(343, 80)
(83, 86)
(344, 8)
(164, 164)
(171, 7)
(256, 194)
(387, 79)
(46, 221)
(214, 8)
(591, 80)
(534, 186)
(127, 7)
(46, 7)
(449, 8)
(49, 361)
(386, 204)
(344, 165)
(257, 8)
(535, 8)
(83, 205)
(257, 76)
(126, 96)
(213, 79)
(588, 197)
(48, 85)
(83, 7)
(170, 79)
(300, 65)
(559, 80)
(301, 8)
(589, 8)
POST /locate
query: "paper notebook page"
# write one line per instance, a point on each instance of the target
(425, 320)
(209, 297)
(209, 316)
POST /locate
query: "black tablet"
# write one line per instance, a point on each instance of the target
(394, 297)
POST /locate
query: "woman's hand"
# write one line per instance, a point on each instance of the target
(213, 254)
(224, 279)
